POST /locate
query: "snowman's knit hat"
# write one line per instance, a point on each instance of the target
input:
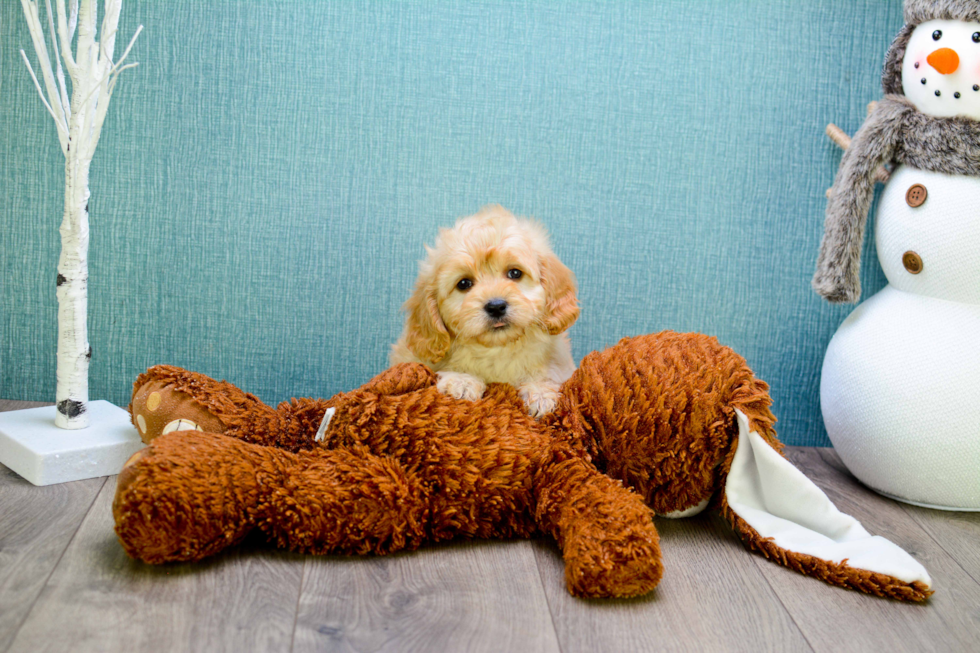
(917, 12)
(920, 11)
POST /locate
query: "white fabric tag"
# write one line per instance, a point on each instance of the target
(321, 432)
(780, 502)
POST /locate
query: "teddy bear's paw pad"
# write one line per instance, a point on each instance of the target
(135, 458)
(158, 408)
(461, 386)
(180, 425)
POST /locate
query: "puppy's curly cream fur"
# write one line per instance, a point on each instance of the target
(491, 304)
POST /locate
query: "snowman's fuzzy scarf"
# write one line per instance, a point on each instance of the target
(894, 133)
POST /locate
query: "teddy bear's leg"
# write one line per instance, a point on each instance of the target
(167, 399)
(189, 495)
(605, 531)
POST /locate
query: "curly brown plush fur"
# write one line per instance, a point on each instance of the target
(403, 465)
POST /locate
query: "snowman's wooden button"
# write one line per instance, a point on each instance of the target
(916, 195)
(912, 262)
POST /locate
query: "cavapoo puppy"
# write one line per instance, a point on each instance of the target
(491, 304)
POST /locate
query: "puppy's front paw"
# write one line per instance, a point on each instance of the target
(460, 385)
(540, 398)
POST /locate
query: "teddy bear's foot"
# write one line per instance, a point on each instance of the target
(189, 495)
(167, 399)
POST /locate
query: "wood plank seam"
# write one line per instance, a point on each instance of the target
(551, 614)
(759, 561)
(54, 567)
(908, 510)
(299, 599)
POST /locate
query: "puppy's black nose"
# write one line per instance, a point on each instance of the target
(495, 308)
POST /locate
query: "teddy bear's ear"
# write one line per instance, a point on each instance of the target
(425, 332)
(560, 294)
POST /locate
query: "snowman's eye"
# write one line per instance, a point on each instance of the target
(976, 37)
(937, 35)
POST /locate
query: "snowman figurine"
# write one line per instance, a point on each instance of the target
(900, 390)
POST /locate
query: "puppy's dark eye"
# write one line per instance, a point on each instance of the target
(937, 35)
(514, 274)
(976, 37)
(464, 284)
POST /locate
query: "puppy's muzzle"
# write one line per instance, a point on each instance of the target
(496, 309)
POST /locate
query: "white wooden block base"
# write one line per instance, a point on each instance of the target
(32, 446)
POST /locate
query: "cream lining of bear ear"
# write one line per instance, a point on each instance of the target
(321, 432)
(780, 503)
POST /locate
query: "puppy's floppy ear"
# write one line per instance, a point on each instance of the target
(559, 286)
(425, 332)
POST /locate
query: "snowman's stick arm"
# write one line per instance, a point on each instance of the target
(837, 278)
(839, 136)
(843, 141)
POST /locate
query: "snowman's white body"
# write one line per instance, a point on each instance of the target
(900, 390)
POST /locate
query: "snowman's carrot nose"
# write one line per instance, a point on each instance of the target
(944, 60)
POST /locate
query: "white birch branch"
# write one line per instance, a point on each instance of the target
(109, 24)
(73, 18)
(53, 101)
(87, 17)
(79, 120)
(66, 29)
(107, 84)
(62, 128)
(118, 68)
(65, 103)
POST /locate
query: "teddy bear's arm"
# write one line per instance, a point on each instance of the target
(605, 531)
(401, 379)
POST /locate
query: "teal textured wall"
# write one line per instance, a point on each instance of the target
(268, 174)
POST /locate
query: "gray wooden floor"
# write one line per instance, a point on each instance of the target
(66, 585)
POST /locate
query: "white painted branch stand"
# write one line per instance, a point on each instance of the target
(32, 446)
(74, 439)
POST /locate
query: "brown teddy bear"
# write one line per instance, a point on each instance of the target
(651, 425)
